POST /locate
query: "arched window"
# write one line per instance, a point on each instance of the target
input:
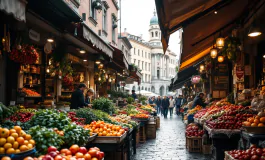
(153, 89)
(142, 87)
(158, 73)
(156, 34)
(146, 88)
(152, 34)
(149, 89)
(133, 88)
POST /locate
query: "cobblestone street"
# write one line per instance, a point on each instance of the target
(169, 143)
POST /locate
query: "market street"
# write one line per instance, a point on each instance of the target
(169, 143)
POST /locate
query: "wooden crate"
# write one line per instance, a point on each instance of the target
(137, 137)
(142, 134)
(110, 139)
(194, 144)
(151, 130)
(206, 149)
(157, 122)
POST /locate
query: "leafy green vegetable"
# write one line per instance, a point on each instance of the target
(104, 105)
(75, 134)
(85, 113)
(50, 119)
(45, 138)
(130, 100)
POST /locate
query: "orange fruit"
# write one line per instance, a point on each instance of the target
(18, 129)
(17, 151)
(118, 134)
(4, 133)
(28, 137)
(30, 146)
(20, 140)
(32, 142)
(261, 125)
(26, 142)
(7, 146)
(11, 139)
(15, 135)
(10, 151)
(2, 141)
(23, 148)
(256, 121)
(100, 134)
(248, 124)
(79, 155)
(104, 133)
(6, 158)
(2, 150)
(22, 134)
(251, 120)
(262, 119)
(15, 145)
(254, 124)
(12, 131)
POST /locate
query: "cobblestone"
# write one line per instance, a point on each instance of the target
(170, 143)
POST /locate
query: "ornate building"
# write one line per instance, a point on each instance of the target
(157, 68)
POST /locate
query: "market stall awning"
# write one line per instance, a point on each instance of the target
(98, 42)
(15, 7)
(118, 57)
(199, 36)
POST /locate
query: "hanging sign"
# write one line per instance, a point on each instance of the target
(34, 35)
(195, 79)
(239, 74)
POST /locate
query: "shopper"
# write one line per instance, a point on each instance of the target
(78, 98)
(165, 105)
(158, 105)
(171, 105)
(198, 100)
(89, 95)
(134, 94)
(178, 104)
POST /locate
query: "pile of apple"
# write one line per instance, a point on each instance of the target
(253, 153)
(73, 153)
(193, 131)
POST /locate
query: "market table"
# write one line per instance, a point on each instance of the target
(249, 138)
(223, 140)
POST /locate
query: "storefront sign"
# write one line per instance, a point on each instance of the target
(35, 36)
(74, 58)
(239, 74)
(195, 79)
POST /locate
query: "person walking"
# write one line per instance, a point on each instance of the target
(171, 105)
(165, 105)
(158, 105)
(178, 104)
(78, 98)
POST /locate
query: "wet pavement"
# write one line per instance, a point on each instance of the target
(170, 143)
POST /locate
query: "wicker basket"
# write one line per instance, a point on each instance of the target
(255, 130)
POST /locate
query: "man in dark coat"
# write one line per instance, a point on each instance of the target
(198, 100)
(134, 94)
(165, 105)
(78, 98)
(158, 105)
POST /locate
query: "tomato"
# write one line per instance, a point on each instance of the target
(101, 155)
(87, 157)
(79, 155)
(82, 150)
(93, 152)
(96, 148)
(52, 148)
(74, 149)
(58, 157)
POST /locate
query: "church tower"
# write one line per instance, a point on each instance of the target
(154, 30)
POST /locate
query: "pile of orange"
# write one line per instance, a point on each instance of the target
(255, 122)
(105, 129)
(61, 133)
(15, 140)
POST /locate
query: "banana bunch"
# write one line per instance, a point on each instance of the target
(29, 110)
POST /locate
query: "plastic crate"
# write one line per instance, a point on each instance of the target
(194, 144)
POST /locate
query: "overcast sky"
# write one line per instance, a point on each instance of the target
(135, 17)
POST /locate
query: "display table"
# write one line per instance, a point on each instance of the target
(223, 140)
(249, 138)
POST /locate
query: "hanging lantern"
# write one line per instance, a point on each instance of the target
(220, 59)
(110, 80)
(213, 53)
(220, 42)
(202, 67)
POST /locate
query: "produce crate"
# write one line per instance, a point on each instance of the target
(151, 130)
(194, 144)
(137, 137)
(142, 134)
(157, 122)
(228, 157)
(207, 149)
(255, 130)
(20, 156)
(91, 138)
(110, 139)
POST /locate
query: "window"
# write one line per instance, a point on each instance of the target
(146, 88)
(142, 53)
(138, 52)
(142, 65)
(156, 34)
(134, 51)
(152, 34)
(134, 61)
(133, 88)
(145, 55)
(143, 78)
(142, 87)
(114, 26)
(139, 64)
(104, 20)
(145, 65)
(93, 11)
(84, 16)
(149, 78)
(158, 73)
(149, 66)
(149, 55)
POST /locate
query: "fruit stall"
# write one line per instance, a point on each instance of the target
(104, 131)
(239, 126)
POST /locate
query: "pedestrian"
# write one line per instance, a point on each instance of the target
(78, 98)
(165, 105)
(198, 100)
(184, 101)
(134, 94)
(178, 104)
(171, 105)
(89, 94)
(158, 105)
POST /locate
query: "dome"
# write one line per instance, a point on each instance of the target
(154, 19)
